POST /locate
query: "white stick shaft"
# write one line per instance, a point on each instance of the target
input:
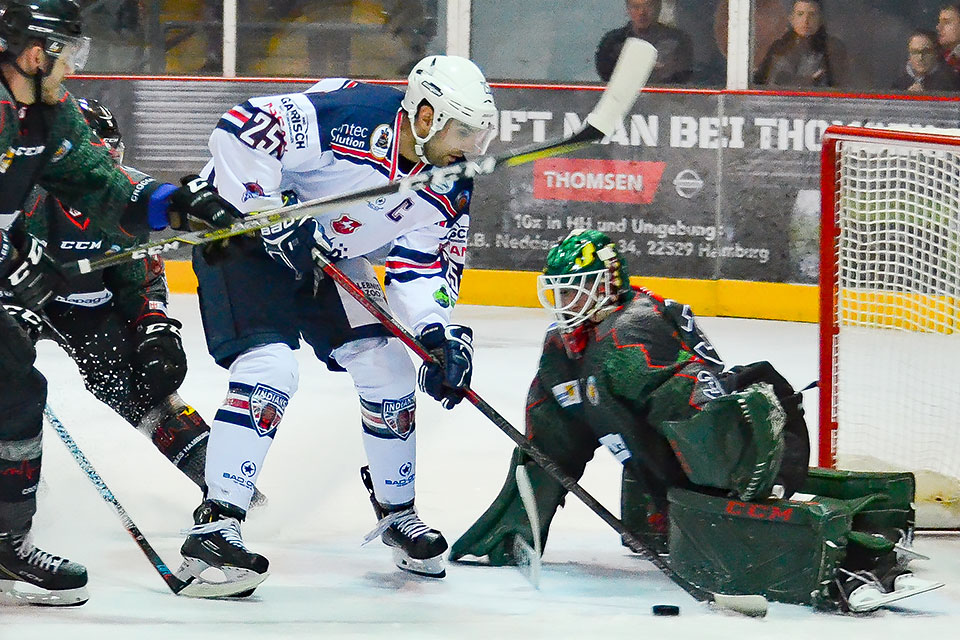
(633, 69)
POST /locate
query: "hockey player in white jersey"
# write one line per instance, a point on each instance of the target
(338, 136)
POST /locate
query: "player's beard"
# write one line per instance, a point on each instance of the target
(51, 86)
(440, 157)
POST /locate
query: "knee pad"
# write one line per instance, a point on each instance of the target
(380, 368)
(270, 364)
(384, 378)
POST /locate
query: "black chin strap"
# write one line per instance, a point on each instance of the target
(36, 77)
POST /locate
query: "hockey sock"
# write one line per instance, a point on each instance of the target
(261, 383)
(384, 378)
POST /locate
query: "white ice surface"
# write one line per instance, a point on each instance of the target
(323, 584)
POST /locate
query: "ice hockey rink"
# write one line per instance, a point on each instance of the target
(324, 584)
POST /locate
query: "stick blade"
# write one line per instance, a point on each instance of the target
(754, 606)
(633, 69)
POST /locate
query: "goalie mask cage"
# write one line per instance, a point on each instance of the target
(889, 293)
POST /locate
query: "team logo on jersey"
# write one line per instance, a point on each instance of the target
(568, 393)
(463, 199)
(62, 150)
(345, 225)
(399, 415)
(252, 190)
(248, 468)
(442, 298)
(266, 408)
(592, 394)
(380, 141)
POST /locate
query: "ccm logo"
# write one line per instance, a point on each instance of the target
(80, 245)
(759, 511)
(155, 251)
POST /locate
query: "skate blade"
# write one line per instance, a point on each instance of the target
(234, 582)
(906, 553)
(12, 592)
(427, 567)
(883, 599)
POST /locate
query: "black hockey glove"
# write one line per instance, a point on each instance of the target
(196, 205)
(159, 358)
(30, 321)
(446, 379)
(27, 271)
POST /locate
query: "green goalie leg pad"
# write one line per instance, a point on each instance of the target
(896, 511)
(786, 550)
(492, 534)
(735, 442)
(783, 550)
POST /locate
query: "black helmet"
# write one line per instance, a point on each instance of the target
(54, 23)
(103, 123)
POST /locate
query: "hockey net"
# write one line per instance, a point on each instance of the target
(889, 298)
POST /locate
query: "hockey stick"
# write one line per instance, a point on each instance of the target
(750, 605)
(633, 68)
(528, 559)
(176, 584)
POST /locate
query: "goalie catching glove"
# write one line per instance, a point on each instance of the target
(446, 378)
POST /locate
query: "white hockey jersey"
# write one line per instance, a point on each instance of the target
(340, 136)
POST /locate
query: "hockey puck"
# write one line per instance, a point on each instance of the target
(666, 610)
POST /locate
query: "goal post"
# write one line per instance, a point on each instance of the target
(890, 309)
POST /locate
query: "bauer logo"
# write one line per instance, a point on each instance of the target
(596, 180)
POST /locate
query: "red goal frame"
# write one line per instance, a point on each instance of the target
(829, 230)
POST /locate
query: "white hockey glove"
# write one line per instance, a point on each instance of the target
(446, 379)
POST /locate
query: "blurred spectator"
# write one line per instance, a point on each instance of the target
(926, 70)
(805, 56)
(948, 34)
(674, 48)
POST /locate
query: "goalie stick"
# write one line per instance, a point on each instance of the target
(633, 68)
(528, 558)
(751, 605)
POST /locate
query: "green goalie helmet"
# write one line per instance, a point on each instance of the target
(584, 276)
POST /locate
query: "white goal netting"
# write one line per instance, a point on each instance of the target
(896, 356)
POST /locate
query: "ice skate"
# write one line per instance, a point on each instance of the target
(416, 547)
(863, 592)
(31, 576)
(216, 563)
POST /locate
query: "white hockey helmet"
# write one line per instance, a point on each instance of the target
(456, 90)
